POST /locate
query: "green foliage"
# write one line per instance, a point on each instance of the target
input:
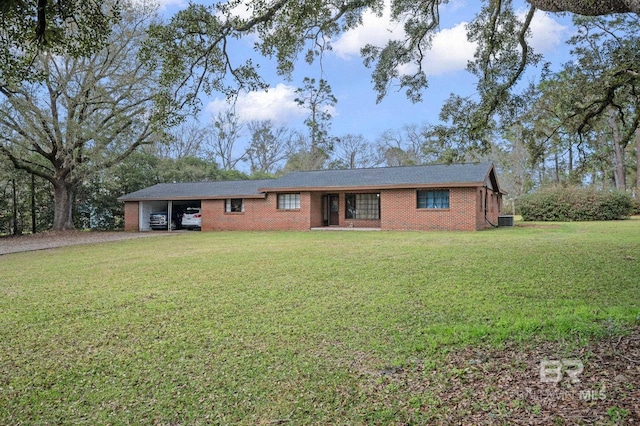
(582, 120)
(318, 100)
(606, 71)
(562, 204)
(33, 26)
(262, 175)
(195, 46)
(636, 207)
(97, 206)
(617, 415)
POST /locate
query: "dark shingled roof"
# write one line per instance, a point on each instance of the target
(199, 190)
(472, 174)
(434, 174)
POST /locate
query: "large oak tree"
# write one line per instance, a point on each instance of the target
(85, 114)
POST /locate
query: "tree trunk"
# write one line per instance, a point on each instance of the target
(16, 227)
(33, 204)
(638, 162)
(63, 206)
(618, 154)
(619, 171)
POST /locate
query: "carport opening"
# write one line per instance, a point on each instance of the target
(175, 208)
(180, 207)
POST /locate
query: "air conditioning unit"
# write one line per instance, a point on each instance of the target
(506, 220)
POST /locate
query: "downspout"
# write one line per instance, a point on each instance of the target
(486, 219)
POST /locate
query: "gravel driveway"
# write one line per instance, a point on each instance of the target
(52, 239)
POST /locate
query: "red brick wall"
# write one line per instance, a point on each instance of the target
(316, 209)
(480, 222)
(399, 211)
(494, 208)
(263, 215)
(131, 216)
(259, 215)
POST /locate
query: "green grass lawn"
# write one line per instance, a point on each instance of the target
(267, 328)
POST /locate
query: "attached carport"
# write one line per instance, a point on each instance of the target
(178, 207)
(174, 209)
(172, 198)
(175, 198)
(146, 208)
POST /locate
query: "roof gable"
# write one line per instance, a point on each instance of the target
(491, 181)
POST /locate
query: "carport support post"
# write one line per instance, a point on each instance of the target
(169, 214)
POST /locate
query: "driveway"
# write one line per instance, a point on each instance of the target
(53, 239)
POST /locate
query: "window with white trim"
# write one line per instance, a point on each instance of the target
(288, 201)
(433, 199)
(234, 205)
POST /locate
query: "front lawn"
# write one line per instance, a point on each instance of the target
(306, 327)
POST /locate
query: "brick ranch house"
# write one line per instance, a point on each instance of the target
(430, 197)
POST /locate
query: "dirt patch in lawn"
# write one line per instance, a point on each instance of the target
(53, 239)
(539, 225)
(545, 384)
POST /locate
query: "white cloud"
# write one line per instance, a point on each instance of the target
(277, 104)
(242, 10)
(164, 4)
(375, 30)
(546, 33)
(450, 51)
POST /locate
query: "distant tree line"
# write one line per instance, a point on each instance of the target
(97, 103)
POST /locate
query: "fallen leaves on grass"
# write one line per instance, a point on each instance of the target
(499, 386)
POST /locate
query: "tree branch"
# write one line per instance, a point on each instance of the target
(588, 7)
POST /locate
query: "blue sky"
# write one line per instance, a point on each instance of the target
(356, 111)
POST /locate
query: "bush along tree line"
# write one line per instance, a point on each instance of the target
(576, 204)
(93, 110)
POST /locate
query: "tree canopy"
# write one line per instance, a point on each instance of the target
(67, 27)
(588, 7)
(195, 44)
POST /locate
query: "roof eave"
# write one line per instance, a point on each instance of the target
(373, 187)
(197, 197)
